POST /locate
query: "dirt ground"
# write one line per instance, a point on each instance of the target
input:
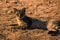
(39, 11)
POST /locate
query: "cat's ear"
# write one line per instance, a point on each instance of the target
(22, 11)
(15, 10)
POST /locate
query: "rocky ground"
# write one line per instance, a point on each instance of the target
(37, 13)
